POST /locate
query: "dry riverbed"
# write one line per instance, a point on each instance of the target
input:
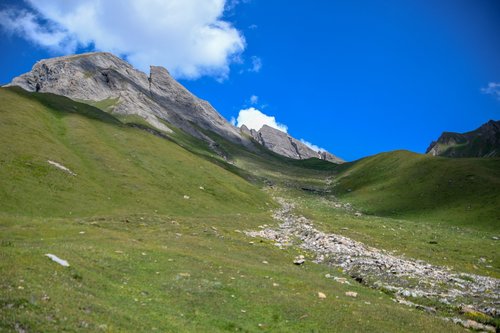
(408, 279)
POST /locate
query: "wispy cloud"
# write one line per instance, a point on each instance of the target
(255, 119)
(312, 146)
(254, 99)
(256, 64)
(189, 37)
(492, 89)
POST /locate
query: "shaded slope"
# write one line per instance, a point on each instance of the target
(405, 184)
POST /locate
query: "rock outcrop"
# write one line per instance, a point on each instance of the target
(482, 142)
(105, 78)
(283, 144)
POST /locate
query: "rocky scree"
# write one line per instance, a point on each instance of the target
(379, 269)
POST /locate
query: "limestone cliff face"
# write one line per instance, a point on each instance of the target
(482, 142)
(158, 98)
(283, 144)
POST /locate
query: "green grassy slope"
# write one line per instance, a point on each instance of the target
(462, 192)
(119, 169)
(143, 258)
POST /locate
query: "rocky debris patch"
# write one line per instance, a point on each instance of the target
(474, 325)
(381, 269)
(411, 304)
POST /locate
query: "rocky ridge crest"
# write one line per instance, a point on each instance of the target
(482, 142)
(283, 144)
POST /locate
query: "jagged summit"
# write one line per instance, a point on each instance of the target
(102, 76)
(481, 142)
(283, 144)
(104, 79)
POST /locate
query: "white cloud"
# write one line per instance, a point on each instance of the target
(255, 119)
(26, 24)
(493, 89)
(312, 146)
(189, 37)
(254, 99)
(256, 64)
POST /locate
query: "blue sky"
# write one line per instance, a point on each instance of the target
(354, 77)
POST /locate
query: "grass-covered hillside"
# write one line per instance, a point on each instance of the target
(153, 236)
(401, 184)
(119, 169)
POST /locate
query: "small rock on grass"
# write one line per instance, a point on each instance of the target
(351, 294)
(299, 260)
(321, 295)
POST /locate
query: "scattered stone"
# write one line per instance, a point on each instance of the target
(265, 262)
(474, 325)
(495, 238)
(351, 294)
(202, 188)
(57, 259)
(321, 295)
(186, 197)
(82, 232)
(275, 284)
(358, 214)
(341, 280)
(299, 260)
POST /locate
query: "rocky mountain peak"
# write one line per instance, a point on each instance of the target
(158, 98)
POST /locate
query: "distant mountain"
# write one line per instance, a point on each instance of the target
(113, 85)
(283, 144)
(482, 142)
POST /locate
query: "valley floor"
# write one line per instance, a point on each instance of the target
(148, 272)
